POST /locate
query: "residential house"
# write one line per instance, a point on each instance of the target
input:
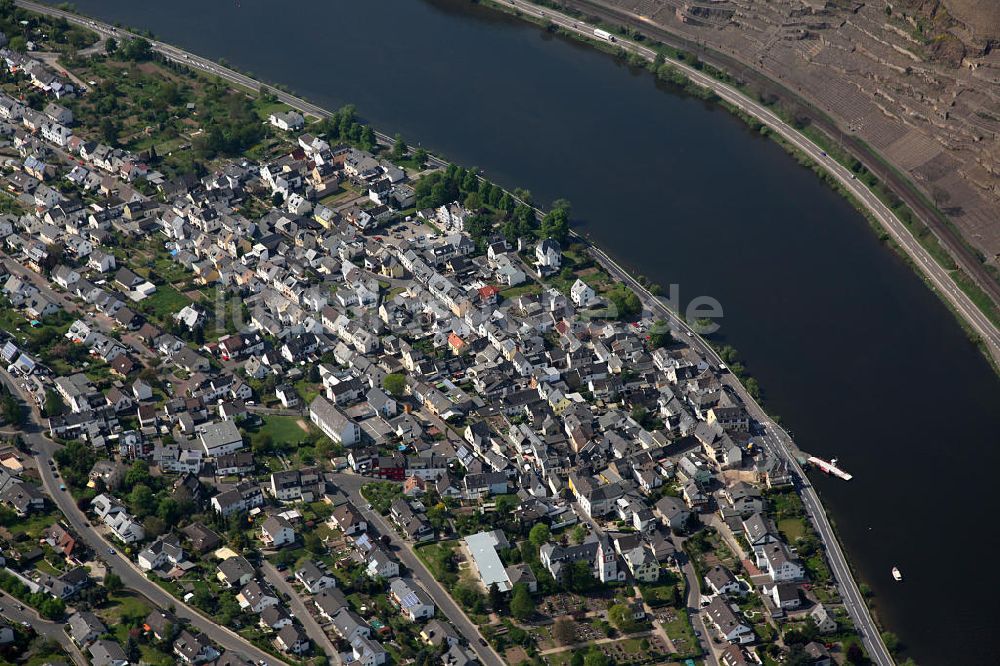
(412, 601)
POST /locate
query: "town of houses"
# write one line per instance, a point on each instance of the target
(503, 393)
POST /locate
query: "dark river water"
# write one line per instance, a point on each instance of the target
(855, 354)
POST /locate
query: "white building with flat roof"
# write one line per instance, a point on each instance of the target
(483, 548)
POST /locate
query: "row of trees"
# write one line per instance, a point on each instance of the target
(47, 606)
(344, 125)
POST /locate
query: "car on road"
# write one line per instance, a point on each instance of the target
(62, 486)
(482, 641)
(24, 623)
(111, 551)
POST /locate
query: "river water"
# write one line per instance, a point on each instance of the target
(855, 354)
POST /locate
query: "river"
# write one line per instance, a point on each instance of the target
(855, 354)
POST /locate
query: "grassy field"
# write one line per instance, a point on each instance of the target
(658, 595)
(680, 632)
(165, 302)
(285, 429)
(437, 557)
(792, 529)
(521, 289)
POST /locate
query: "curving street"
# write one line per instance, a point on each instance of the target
(133, 578)
(775, 438)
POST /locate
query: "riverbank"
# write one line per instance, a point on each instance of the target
(833, 323)
(781, 447)
(896, 222)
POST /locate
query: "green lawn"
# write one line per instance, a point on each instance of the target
(521, 289)
(438, 558)
(792, 529)
(680, 632)
(34, 526)
(381, 494)
(124, 605)
(658, 595)
(283, 429)
(165, 302)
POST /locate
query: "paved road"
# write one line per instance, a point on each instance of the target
(49, 630)
(198, 63)
(133, 578)
(301, 612)
(734, 60)
(780, 444)
(351, 485)
(937, 275)
(693, 602)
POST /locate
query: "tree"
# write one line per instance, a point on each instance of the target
(496, 598)
(659, 334)
(891, 641)
(522, 606)
(111, 45)
(137, 49)
(577, 659)
(855, 654)
(313, 543)
(395, 384)
(137, 474)
(132, 650)
(53, 404)
(563, 631)
(539, 534)
(368, 141)
(555, 224)
(621, 617)
(399, 148)
(626, 303)
(141, 500)
(595, 657)
(420, 156)
(578, 534)
(113, 583)
(474, 201)
(109, 130)
(12, 411)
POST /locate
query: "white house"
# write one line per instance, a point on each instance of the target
(582, 294)
(287, 120)
(220, 438)
(775, 560)
(726, 623)
(165, 550)
(381, 565)
(412, 601)
(548, 255)
(334, 423)
(277, 532)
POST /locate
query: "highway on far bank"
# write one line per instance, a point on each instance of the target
(781, 444)
(929, 268)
